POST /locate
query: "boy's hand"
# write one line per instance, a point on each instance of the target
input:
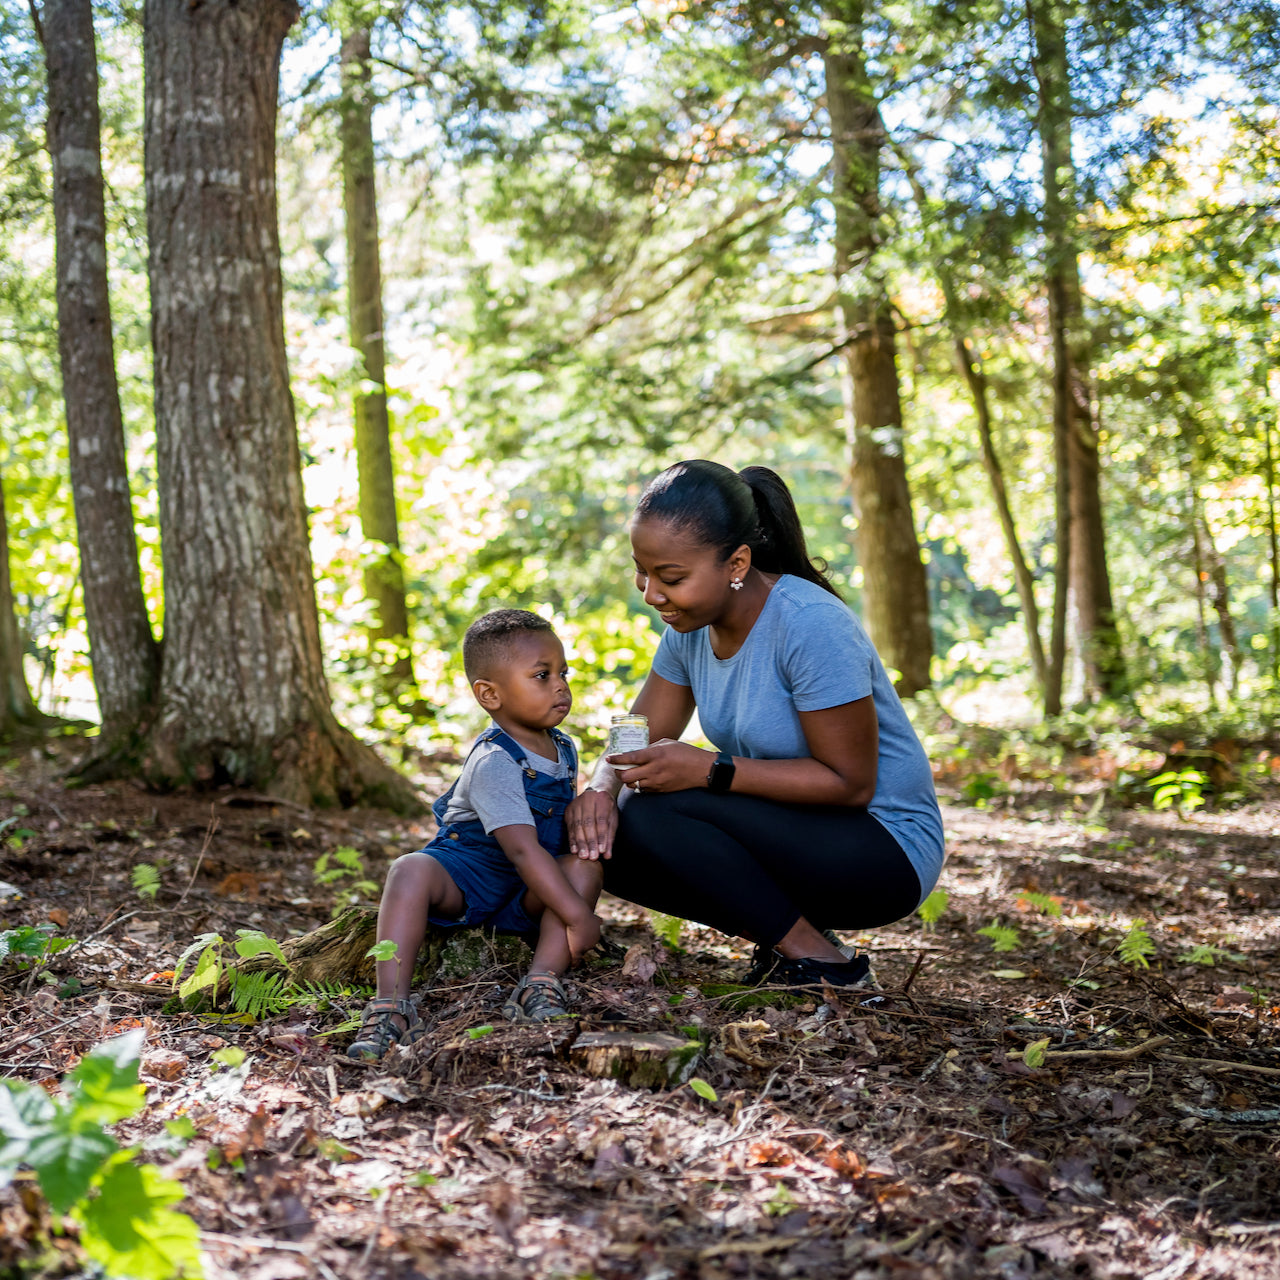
(582, 934)
(664, 766)
(592, 819)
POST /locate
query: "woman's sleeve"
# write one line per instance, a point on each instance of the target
(827, 659)
(669, 662)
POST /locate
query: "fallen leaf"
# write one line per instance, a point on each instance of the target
(639, 964)
(59, 917)
(164, 1064)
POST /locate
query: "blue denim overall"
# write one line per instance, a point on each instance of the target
(474, 860)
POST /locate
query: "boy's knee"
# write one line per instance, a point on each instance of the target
(413, 866)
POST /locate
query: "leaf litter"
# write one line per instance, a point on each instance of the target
(1088, 1118)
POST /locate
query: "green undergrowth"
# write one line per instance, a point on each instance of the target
(121, 1208)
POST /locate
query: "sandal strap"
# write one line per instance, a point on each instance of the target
(541, 993)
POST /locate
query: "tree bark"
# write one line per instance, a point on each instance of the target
(243, 695)
(384, 572)
(18, 712)
(125, 656)
(1082, 558)
(894, 589)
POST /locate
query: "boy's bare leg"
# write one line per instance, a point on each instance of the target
(552, 952)
(417, 887)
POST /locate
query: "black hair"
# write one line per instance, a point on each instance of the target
(726, 509)
(489, 637)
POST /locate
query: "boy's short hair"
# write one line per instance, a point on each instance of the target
(489, 637)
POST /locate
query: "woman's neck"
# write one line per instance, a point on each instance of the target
(729, 632)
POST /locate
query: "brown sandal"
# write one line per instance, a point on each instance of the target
(378, 1033)
(537, 998)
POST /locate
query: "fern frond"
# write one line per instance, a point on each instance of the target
(1136, 946)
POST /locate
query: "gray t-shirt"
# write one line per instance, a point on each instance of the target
(806, 652)
(491, 788)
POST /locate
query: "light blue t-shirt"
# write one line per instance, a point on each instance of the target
(806, 652)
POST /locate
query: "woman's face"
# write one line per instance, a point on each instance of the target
(683, 579)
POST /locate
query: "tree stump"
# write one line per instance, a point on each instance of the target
(645, 1059)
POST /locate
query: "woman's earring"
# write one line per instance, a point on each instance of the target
(736, 584)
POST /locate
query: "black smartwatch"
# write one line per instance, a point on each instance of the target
(720, 778)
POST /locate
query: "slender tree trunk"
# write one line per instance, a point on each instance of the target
(1219, 592)
(970, 365)
(1075, 428)
(894, 588)
(17, 709)
(1273, 535)
(243, 696)
(125, 656)
(384, 573)
(1202, 626)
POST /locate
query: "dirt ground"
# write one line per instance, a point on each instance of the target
(895, 1132)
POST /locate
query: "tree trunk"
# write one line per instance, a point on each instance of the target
(1083, 567)
(970, 365)
(125, 656)
(894, 590)
(17, 709)
(1220, 598)
(243, 696)
(384, 572)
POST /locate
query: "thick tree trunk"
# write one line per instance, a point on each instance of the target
(125, 656)
(1082, 562)
(384, 573)
(894, 590)
(243, 695)
(18, 711)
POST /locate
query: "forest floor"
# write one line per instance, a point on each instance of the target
(1049, 1110)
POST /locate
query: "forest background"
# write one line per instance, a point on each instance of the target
(911, 255)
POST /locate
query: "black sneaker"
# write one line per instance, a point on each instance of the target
(765, 959)
(813, 973)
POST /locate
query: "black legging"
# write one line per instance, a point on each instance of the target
(752, 867)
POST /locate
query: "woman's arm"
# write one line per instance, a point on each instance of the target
(592, 817)
(843, 743)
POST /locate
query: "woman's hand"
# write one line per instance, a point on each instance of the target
(665, 765)
(591, 820)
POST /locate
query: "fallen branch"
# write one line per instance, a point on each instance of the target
(1220, 1064)
(1103, 1055)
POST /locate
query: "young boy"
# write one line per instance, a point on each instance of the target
(496, 857)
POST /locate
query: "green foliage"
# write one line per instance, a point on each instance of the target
(1034, 1054)
(146, 880)
(123, 1208)
(703, 1089)
(1182, 788)
(1209, 955)
(666, 928)
(1136, 947)
(1002, 938)
(31, 945)
(932, 908)
(344, 869)
(478, 1033)
(387, 949)
(1041, 902)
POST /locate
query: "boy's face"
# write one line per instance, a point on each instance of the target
(530, 684)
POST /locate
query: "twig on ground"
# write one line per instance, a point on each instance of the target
(911, 977)
(1221, 1064)
(1105, 1055)
(35, 1035)
(210, 832)
(261, 1242)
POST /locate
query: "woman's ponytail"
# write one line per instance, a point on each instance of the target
(780, 544)
(726, 509)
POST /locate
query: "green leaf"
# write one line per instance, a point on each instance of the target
(931, 909)
(422, 1179)
(104, 1086)
(1034, 1054)
(1041, 902)
(387, 949)
(183, 1128)
(66, 1159)
(1008, 975)
(208, 973)
(1002, 939)
(231, 1057)
(703, 1089)
(253, 942)
(477, 1033)
(204, 943)
(129, 1228)
(146, 880)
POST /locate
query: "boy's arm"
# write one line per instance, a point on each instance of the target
(541, 872)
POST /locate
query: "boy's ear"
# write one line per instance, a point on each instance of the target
(487, 695)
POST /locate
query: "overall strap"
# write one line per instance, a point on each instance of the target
(440, 806)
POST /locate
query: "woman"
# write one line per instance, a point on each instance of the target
(817, 811)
